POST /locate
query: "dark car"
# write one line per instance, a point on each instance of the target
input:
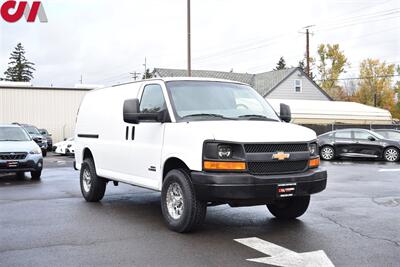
(389, 133)
(19, 153)
(357, 143)
(36, 136)
(46, 134)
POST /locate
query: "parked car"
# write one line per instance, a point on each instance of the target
(199, 142)
(36, 136)
(388, 133)
(66, 147)
(357, 143)
(49, 139)
(19, 153)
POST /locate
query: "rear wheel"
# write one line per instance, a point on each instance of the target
(181, 209)
(289, 208)
(327, 153)
(93, 187)
(391, 154)
(44, 153)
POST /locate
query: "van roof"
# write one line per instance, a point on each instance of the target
(170, 79)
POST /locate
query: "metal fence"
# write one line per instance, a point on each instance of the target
(324, 128)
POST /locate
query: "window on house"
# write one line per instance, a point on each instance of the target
(298, 86)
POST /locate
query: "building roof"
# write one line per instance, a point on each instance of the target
(319, 111)
(264, 82)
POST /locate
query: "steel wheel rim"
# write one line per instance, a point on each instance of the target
(174, 199)
(327, 153)
(391, 154)
(86, 180)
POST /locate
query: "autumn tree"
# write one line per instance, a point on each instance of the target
(19, 68)
(375, 86)
(331, 64)
(281, 65)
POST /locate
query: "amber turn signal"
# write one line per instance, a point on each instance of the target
(314, 163)
(224, 165)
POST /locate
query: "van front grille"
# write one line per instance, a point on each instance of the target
(277, 167)
(271, 148)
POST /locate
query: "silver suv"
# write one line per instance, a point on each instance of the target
(19, 153)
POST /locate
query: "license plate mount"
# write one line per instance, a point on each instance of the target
(12, 164)
(286, 190)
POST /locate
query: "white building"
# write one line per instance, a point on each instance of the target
(45, 107)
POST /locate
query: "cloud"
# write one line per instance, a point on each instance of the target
(106, 40)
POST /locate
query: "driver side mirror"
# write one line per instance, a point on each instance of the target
(285, 114)
(371, 138)
(132, 113)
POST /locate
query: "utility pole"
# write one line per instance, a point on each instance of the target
(135, 75)
(308, 68)
(81, 80)
(145, 68)
(189, 52)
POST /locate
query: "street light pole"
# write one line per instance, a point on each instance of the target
(189, 55)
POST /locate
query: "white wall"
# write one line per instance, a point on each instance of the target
(286, 89)
(51, 108)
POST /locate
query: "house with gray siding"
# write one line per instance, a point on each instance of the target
(292, 83)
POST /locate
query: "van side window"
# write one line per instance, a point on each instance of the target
(152, 99)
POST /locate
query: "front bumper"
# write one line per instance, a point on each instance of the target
(29, 164)
(237, 187)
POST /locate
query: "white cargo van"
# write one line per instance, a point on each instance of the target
(200, 142)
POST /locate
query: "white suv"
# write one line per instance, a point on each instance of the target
(200, 142)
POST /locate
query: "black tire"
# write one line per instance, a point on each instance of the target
(327, 153)
(44, 153)
(95, 191)
(289, 208)
(193, 211)
(36, 175)
(391, 154)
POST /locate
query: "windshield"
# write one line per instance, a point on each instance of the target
(31, 130)
(203, 100)
(13, 134)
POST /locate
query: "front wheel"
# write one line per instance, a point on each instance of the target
(181, 209)
(289, 208)
(391, 154)
(327, 153)
(36, 175)
(93, 187)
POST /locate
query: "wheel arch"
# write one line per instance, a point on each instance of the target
(173, 163)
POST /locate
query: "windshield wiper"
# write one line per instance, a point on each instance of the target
(257, 117)
(207, 115)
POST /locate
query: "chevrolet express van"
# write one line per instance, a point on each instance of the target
(200, 142)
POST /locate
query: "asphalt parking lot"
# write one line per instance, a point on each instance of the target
(356, 222)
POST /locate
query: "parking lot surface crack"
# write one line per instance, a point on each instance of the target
(396, 243)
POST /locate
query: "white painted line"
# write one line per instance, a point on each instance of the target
(280, 256)
(389, 170)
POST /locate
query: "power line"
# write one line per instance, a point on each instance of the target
(361, 78)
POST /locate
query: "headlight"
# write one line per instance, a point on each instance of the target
(36, 151)
(313, 149)
(224, 152)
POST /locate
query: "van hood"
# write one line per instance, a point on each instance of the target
(17, 146)
(255, 131)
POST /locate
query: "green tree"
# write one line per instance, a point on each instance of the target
(281, 65)
(375, 87)
(331, 64)
(19, 68)
(147, 75)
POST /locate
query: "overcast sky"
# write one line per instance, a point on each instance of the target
(106, 40)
